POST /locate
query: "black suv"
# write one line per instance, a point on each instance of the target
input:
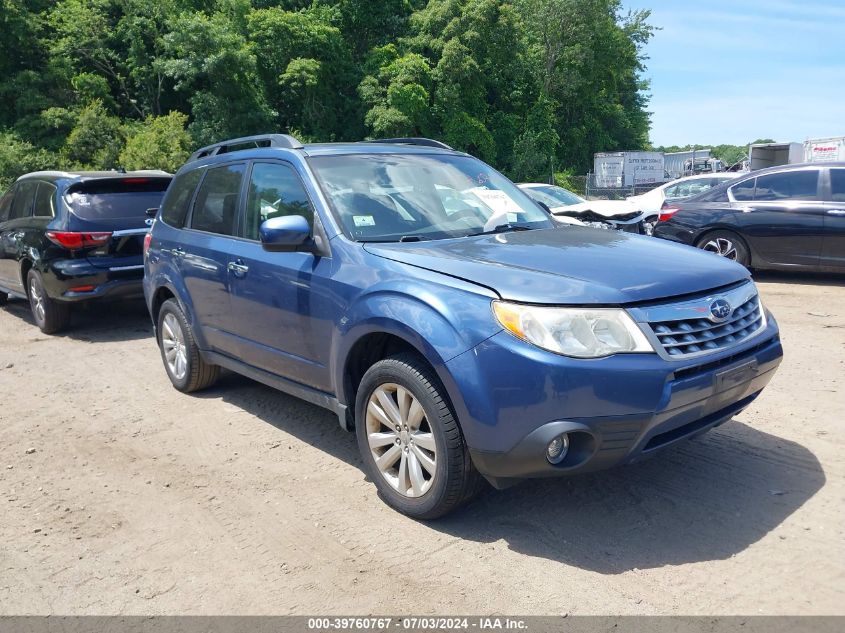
(67, 237)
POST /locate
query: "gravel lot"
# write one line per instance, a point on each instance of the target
(120, 495)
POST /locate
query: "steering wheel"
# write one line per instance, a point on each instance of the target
(467, 213)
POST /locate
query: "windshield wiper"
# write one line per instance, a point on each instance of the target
(502, 228)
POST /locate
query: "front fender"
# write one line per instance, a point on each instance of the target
(440, 323)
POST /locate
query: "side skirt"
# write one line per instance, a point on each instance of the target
(314, 396)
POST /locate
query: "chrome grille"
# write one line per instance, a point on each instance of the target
(687, 328)
(681, 338)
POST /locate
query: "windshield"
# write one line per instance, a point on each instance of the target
(392, 197)
(553, 196)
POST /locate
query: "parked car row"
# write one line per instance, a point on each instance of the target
(434, 307)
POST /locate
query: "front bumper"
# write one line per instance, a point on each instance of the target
(122, 279)
(616, 410)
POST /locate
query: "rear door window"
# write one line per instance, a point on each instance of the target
(216, 206)
(837, 185)
(45, 201)
(6, 205)
(744, 191)
(22, 204)
(174, 207)
(115, 198)
(790, 185)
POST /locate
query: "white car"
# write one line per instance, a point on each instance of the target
(566, 206)
(651, 201)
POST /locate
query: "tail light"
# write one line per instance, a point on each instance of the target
(148, 238)
(667, 211)
(73, 240)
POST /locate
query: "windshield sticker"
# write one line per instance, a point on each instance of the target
(363, 220)
(500, 202)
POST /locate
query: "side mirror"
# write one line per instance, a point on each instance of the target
(285, 234)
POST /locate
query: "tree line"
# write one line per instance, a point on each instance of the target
(531, 86)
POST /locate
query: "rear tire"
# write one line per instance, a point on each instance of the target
(179, 351)
(726, 244)
(50, 316)
(411, 444)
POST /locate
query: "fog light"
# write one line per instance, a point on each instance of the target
(557, 448)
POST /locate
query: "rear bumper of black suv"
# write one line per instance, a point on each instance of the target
(75, 280)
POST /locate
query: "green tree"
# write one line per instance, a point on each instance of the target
(210, 58)
(18, 157)
(95, 140)
(160, 143)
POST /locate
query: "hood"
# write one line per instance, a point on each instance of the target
(605, 208)
(570, 265)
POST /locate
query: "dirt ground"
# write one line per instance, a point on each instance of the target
(119, 495)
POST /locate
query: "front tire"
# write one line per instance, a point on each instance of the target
(726, 244)
(50, 316)
(411, 444)
(179, 351)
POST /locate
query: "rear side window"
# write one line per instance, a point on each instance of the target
(5, 205)
(744, 191)
(45, 201)
(22, 204)
(216, 206)
(115, 198)
(174, 208)
(274, 191)
(837, 185)
(790, 185)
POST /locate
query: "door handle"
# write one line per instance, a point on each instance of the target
(238, 268)
(177, 252)
(836, 211)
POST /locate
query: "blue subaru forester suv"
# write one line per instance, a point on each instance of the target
(442, 315)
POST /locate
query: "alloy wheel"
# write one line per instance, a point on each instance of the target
(721, 246)
(173, 344)
(400, 439)
(36, 298)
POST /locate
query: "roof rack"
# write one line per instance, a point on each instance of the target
(260, 140)
(427, 142)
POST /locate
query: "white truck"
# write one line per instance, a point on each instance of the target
(815, 150)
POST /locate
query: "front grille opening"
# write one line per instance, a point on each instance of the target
(692, 336)
(686, 372)
(661, 439)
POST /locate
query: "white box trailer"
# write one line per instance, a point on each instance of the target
(607, 167)
(628, 169)
(762, 155)
(643, 168)
(824, 150)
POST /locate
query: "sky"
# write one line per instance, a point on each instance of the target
(733, 71)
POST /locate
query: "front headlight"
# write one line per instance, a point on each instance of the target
(578, 332)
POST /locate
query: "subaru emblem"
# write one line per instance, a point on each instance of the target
(720, 310)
